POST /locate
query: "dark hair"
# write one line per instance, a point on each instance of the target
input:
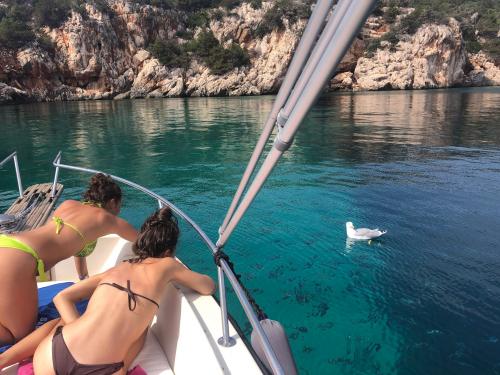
(102, 189)
(158, 236)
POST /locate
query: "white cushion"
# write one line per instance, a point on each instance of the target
(152, 358)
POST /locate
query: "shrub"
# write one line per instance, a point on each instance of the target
(377, 10)
(492, 47)
(218, 59)
(45, 43)
(391, 14)
(217, 14)
(472, 46)
(391, 37)
(51, 13)
(14, 34)
(229, 4)
(184, 34)
(102, 6)
(203, 44)
(197, 19)
(19, 12)
(193, 5)
(289, 9)
(372, 46)
(256, 4)
(222, 60)
(170, 53)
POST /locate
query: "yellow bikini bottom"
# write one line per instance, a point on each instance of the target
(6, 241)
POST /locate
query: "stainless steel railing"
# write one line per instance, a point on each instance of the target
(13, 156)
(224, 269)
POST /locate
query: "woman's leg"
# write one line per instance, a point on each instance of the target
(18, 295)
(27, 346)
(42, 360)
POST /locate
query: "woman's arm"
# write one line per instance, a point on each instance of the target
(200, 283)
(66, 299)
(81, 267)
(122, 228)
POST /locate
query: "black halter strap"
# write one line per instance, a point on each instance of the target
(132, 301)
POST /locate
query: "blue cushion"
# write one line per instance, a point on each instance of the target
(46, 308)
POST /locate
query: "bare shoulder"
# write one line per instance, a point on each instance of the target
(167, 267)
(70, 203)
(169, 263)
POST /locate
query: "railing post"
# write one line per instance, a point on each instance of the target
(18, 176)
(57, 160)
(225, 340)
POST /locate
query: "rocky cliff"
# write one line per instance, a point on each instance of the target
(104, 55)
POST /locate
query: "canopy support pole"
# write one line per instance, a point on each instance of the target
(347, 29)
(313, 28)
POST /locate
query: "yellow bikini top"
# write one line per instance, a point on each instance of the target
(89, 247)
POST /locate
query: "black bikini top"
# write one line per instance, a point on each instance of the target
(132, 301)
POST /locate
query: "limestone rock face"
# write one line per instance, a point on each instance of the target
(104, 55)
(10, 94)
(484, 71)
(433, 57)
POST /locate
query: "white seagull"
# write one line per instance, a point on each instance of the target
(362, 233)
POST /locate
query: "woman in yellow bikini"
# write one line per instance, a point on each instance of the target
(72, 231)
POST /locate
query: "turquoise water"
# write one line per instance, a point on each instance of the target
(424, 165)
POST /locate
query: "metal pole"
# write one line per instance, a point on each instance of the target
(316, 22)
(18, 176)
(225, 340)
(319, 49)
(7, 159)
(349, 26)
(347, 30)
(253, 319)
(56, 174)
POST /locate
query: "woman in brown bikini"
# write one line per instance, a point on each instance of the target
(123, 301)
(72, 232)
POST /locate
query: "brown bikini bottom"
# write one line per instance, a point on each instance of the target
(65, 364)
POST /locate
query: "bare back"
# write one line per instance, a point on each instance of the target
(109, 328)
(108, 322)
(92, 222)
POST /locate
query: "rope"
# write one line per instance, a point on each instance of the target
(20, 216)
(218, 256)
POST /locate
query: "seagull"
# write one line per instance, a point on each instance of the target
(362, 233)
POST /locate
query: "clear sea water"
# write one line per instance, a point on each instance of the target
(425, 165)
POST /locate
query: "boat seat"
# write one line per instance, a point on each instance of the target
(152, 358)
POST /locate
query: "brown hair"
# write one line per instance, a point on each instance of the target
(102, 189)
(157, 237)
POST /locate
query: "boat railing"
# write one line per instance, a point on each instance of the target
(224, 269)
(13, 157)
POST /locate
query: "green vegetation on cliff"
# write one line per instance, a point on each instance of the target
(206, 48)
(292, 10)
(479, 19)
(21, 23)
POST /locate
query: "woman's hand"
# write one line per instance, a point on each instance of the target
(200, 283)
(65, 300)
(81, 267)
